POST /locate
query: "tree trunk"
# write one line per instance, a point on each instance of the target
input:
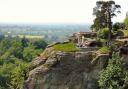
(109, 26)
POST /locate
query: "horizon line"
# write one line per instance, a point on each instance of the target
(31, 23)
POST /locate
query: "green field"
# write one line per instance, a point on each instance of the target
(31, 37)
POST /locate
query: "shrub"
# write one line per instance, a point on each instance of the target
(117, 26)
(126, 21)
(114, 76)
(103, 33)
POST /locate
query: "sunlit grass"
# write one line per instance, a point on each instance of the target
(104, 50)
(67, 47)
(125, 32)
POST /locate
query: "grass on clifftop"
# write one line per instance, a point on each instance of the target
(66, 47)
(104, 50)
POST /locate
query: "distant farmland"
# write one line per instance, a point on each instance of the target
(31, 37)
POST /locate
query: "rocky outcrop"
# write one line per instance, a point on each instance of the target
(66, 70)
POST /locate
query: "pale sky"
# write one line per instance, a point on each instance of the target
(52, 11)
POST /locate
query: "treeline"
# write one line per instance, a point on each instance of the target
(15, 57)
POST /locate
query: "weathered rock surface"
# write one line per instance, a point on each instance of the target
(72, 70)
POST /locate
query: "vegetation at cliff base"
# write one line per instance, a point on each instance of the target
(66, 47)
(114, 76)
(15, 57)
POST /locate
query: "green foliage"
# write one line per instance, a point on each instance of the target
(123, 32)
(19, 75)
(104, 11)
(126, 21)
(15, 55)
(30, 52)
(103, 33)
(4, 45)
(67, 47)
(104, 50)
(5, 72)
(114, 75)
(117, 26)
(13, 74)
(40, 44)
(24, 42)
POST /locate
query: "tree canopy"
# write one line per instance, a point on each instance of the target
(15, 57)
(104, 11)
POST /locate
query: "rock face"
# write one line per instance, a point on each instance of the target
(72, 70)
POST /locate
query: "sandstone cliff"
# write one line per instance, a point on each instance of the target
(66, 70)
